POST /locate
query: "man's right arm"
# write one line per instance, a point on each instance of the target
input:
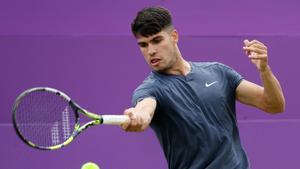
(140, 116)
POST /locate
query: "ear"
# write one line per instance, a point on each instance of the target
(175, 35)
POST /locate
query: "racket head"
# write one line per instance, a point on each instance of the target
(45, 118)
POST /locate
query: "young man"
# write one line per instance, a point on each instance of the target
(191, 105)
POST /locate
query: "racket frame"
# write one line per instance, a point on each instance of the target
(97, 119)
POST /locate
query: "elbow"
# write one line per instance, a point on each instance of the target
(282, 108)
(276, 111)
(276, 108)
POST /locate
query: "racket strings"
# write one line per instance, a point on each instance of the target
(45, 118)
(66, 123)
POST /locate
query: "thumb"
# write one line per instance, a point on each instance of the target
(246, 42)
(127, 112)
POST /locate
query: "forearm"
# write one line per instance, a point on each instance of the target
(140, 116)
(272, 96)
(146, 113)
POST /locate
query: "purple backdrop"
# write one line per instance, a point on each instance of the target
(85, 49)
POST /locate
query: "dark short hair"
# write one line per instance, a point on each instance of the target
(150, 21)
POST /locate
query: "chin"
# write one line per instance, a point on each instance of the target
(160, 70)
(156, 69)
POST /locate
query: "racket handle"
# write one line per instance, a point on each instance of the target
(114, 119)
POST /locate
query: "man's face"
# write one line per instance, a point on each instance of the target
(160, 49)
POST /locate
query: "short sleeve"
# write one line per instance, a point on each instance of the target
(233, 77)
(146, 89)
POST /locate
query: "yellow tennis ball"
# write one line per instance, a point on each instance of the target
(90, 165)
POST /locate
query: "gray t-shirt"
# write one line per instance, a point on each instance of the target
(195, 120)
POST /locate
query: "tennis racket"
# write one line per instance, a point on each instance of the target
(47, 119)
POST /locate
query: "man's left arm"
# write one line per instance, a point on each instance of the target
(268, 98)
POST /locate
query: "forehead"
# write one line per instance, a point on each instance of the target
(141, 38)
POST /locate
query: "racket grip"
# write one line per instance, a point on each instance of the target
(114, 119)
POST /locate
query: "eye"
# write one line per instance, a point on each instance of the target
(157, 40)
(143, 45)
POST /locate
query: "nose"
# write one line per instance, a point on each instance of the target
(151, 50)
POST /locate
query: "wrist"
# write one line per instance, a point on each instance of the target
(264, 70)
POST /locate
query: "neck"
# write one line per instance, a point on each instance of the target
(181, 67)
(185, 68)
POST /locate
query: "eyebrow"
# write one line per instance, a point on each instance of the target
(153, 39)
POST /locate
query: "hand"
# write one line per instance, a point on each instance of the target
(258, 53)
(137, 121)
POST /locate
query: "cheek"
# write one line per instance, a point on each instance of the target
(144, 53)
(169, 49)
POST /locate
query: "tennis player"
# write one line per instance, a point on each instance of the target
(191, 105)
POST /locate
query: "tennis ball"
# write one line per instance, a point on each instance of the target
(90, 165)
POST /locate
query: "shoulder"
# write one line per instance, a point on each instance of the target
(210, 66)
(207, 64)
(151, 79)
(148, 88)
(213, 68)
(150, 82)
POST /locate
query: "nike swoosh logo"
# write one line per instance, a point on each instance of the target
(209, 84)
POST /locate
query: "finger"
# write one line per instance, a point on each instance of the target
(254, 49)
(258, 57)
(133, 129)
(256, 45)
(136, 124)
(125, 125)
(252, 56)
(254, 42)
(128, 110)
(258, 42)
(135, 120)
(247, 53)
(246, 41)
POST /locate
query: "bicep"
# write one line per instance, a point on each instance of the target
(250, 93)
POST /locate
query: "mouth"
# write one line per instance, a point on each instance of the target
(154, 62)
